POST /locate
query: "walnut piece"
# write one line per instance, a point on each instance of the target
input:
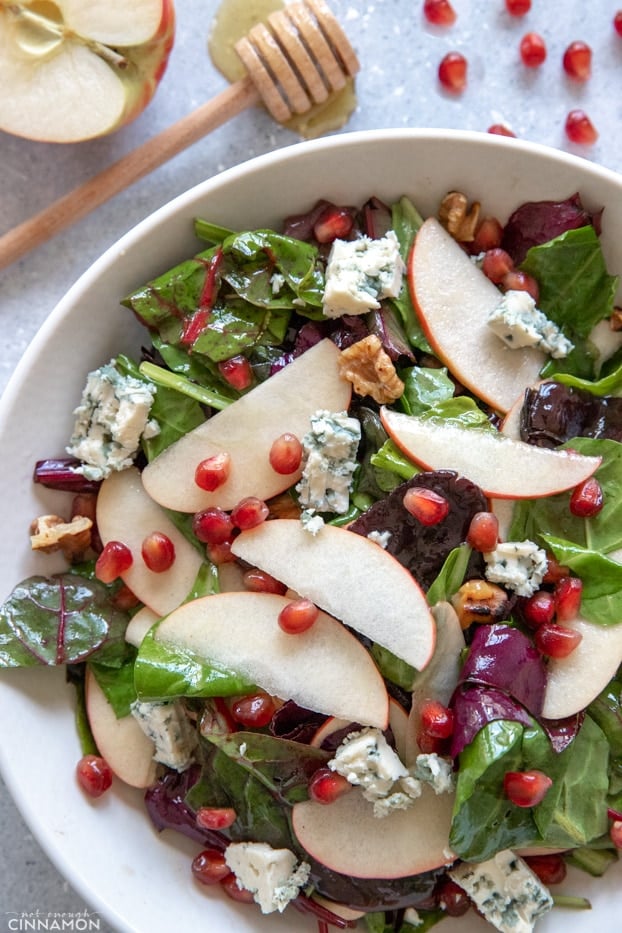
(480, 601)
(369, 368)
(615, 321)
(455, 216)
(49, 533)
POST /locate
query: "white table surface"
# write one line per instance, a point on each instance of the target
(397, 87)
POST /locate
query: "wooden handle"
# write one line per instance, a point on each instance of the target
(123, 173)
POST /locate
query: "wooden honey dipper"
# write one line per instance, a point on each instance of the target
(296, 61)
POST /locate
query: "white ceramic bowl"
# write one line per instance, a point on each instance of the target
(107, 849)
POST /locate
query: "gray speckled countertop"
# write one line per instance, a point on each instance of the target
(396, 88)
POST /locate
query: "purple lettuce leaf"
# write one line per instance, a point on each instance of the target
(474, 706)
(537, 222)
(167, 807)
(563, 732)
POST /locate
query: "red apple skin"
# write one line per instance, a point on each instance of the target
(150, 61)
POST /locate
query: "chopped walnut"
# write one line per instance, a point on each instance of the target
(615, 320)
(369, 368)
(49, 533)
(480, 601)
(455, 216)
(283, 506)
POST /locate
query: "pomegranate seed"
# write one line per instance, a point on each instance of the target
(298, 616)
(209, 866)
(500, 129)
(437, 720)
(518, 281)
(555, 571)
(124, 599)
(114, 560)
(439, 12)
(577, 61)
(425, 505)
(158, 552)
(430, 745)
(249, 512)
(452, 72)
(580, 129)
(286, 454)
(518, 7)
(237, 371)
(334, 223)
(617, 22)
(526, 788)
(555, 641)
(254, 711)
(487, 236)
(483, 532)
(213, 472)
(539, 609)
(496, 265)
(258, 581)
(616, 834)
(212, 526)
(452, 899)
(567, 597)
(216, 817)
(550, 869)
(94, 775)
(326, 786)
(532, 50)
(230, 886)
(220, 553)
(586, 500)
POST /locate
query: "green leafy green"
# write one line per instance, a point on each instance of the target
(117, 684)
(210, 232)
(393, 668)
(601, 596)
(611, 384)
(406, 221)
(377, 923)
(424, 388)
(390, 460)
(451, 576)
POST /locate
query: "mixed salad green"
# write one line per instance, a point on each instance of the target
(233, 761)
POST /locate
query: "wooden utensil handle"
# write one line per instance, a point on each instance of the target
(123, 173)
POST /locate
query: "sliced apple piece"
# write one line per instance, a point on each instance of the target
(122, 742)
(139, 625)
(398, 723)
(246, 431)
(346, 836)
(80, 68)
(453, 300)
(350, 577)
(573, 682)
(126, 513)
(325, 669)
(501, 466)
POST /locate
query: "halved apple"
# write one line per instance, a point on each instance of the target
(346, 836)
(80, 68)
(122, 742)
(501, 466)
(325, 669)
(126, 513)
(246, 431)
(349, 576)
(453, 300)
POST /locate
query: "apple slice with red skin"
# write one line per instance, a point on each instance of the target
(347, 837)
(246, 431)
(500, 466)
(350, 577)
(127, 514)
(78, 69)
(325, 669)
(398, 723)
(453, 300)
(121, 741)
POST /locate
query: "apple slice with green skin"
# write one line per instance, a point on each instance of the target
(500, 466)
(453, 300)
(122, 742)
(348, 576)
(125, 513)
(77, 69)
(325, 669)
(347, 837)
(246, 431)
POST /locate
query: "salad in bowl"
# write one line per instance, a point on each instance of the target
(324, 553)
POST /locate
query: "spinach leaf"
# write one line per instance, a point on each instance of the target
(210, 232)
(601, 597)
(451, 576)
(377, 922)
(611, 384)
(406, 221)
(391, 460)
(117, 684)
(424, 388)
(393, 668)
(236, 325)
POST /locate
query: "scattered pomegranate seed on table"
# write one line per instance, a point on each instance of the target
(439, 12)
(532, 50)
(580, 129)
(326, 785)
(452, 72)
(94, 775)
(298, 616)
(518, 7)
(526, 788)
(556, 641)
(426, 506)
(617, 22)
(209, 866)
(158, 552)
(500, 129)
(213, 472)
(286, 454)
(114, 560)
(577, 61)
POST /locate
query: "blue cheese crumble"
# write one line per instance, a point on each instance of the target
(518, 565)
(272, 875)
(519, 323)
(166, 724)
(361, 272)
(111, 418)
(329, 462)
(505, 891)
(366, 760)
